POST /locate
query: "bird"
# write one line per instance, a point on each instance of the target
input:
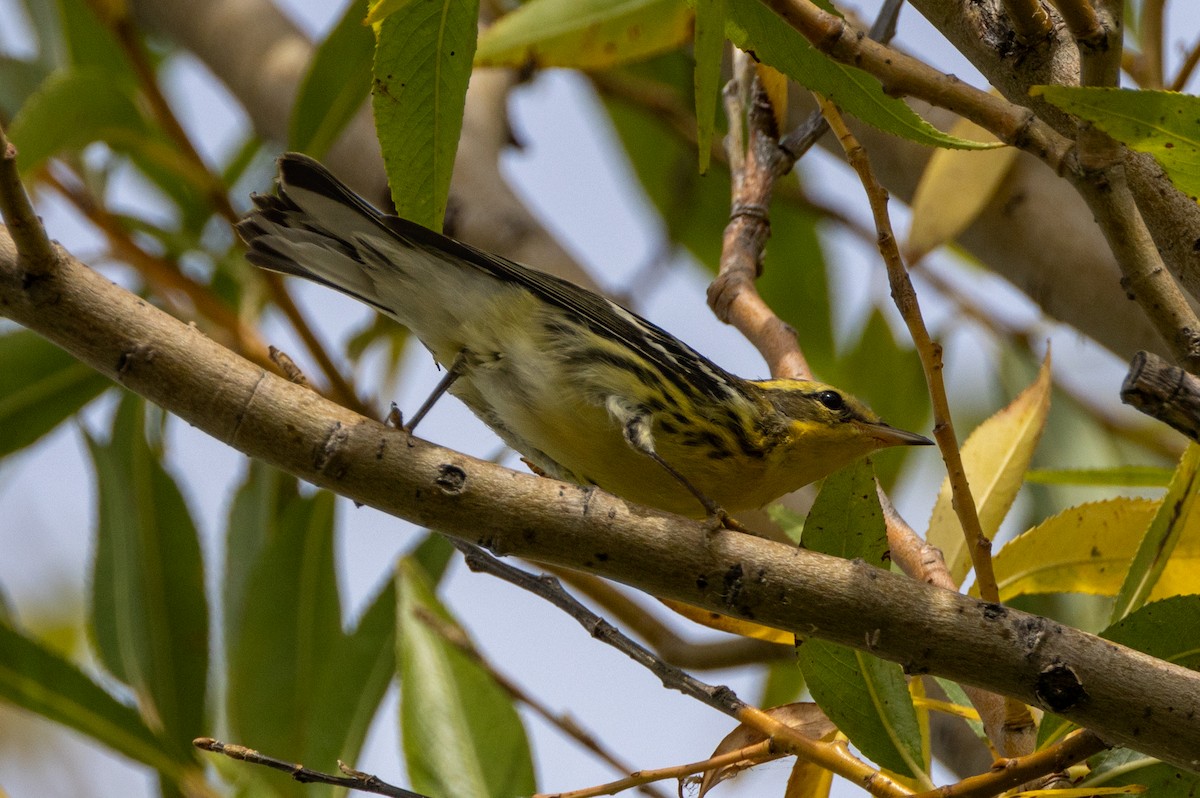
(584, 389)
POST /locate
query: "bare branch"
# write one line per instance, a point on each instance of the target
(755, 162)
(1007, 774)
(1165, 392)
(831, 756)
(1090, 681)
(1029, 20)
(353, 780)
(23, 223)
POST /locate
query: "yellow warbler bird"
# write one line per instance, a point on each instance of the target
(586, 390)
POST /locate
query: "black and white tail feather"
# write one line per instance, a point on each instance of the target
(319, 229)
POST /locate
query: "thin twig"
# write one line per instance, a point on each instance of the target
(808, 133)
(902, 74)
(1028, 338)
(1029, 20)
(1150, 30)
(354, 780)
(835, 758)
(920, 560)
(757, 158)
(22, 220)
(1017, 716)
(455, 636)
(755, 162)
(929, 352)
(1190, 60)
(1097, 34)
(1007, 774)
(759, 750)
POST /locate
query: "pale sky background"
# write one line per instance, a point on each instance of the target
(47, 493)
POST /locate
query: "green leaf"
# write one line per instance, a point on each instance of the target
(254, 519)
(433, 555)
(72, 109)
(846, 519)
(462, 737)
(389, 335)
(382, 9)
(288, 630)
(585, 34)
(784, 684)
(1161, 123)
(91, 45)
(753, 27)
(422, 65)
(1121, 767)
(1126, 476)
(149, 611)
(298, 684)
(46, 21)
(1164, 629)
(37, 679)
(40, 387)
(868, 699)
(18, 80)
(707, 50)
(336, 85)
(355, 680)
(1163, 533)
(958, 696)
(790, 521)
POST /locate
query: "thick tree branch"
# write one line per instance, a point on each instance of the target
(1125, 696)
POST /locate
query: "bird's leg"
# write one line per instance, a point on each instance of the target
(637, 435)
(455, 371)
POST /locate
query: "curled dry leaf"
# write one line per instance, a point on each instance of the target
(805, 717)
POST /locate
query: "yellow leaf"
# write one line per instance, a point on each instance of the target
(775, 84)
(723, 623)
(1157, 546)
(379, 10)
(995, 457)
(585, 34)
(808, 780)
(954, 189)
(1087, 549)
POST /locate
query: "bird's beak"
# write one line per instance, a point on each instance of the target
(888, 435)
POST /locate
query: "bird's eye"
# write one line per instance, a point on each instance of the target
(832, 400)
